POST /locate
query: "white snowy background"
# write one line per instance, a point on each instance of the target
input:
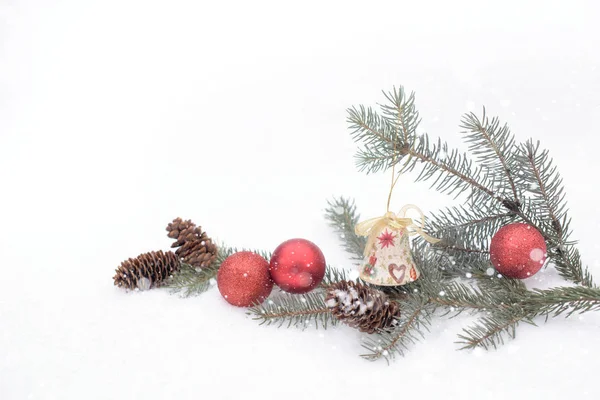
(118, 115)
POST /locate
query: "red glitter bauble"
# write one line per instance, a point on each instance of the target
(518, 251)
(244, 280)
(297, 266)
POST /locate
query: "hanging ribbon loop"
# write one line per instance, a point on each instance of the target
(373, 226)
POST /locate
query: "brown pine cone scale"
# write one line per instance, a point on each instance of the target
(362, 307)
(146, 270)
(194, 247)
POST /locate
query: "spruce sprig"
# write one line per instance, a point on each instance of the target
(503, 173)
(492, 331)
(333, 275)
(504, 182)
(414, 321)
(342, 217)
(547, 196)
(191, 282)
(287, 309)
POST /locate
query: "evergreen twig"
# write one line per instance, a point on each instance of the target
(414, 321)
(560, 300)
(294, 310)
(453, 172)
(333, 275)
(493, 146)
(490, 331)
(544, 183)
(191, 282)
(342, 217)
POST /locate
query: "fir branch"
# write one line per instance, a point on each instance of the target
(377, 136)
(548, 202)
(384, 147)
(333, 275)
(493, 145)
(401, 113)
(460, 249)
(191, 282)
(458, 255)
(544, 182)
(511, 290)
(481, 222)
(459, 297)
(342, 217)
(488, 294)
(455, 173)
(414, 320)
(556, 301)
(502, 320)
(568, 264)
(465, 233)
(510, 183)
(294, 310)
(489, 332)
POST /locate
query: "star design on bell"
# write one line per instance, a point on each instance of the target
(386, 239)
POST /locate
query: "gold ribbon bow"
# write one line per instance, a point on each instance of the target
(373, 226)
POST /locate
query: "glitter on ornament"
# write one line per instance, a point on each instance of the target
(518, 251)
(244, 280)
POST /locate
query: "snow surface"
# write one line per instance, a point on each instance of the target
(118, 115)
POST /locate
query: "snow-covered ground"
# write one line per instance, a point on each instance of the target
(118, 115)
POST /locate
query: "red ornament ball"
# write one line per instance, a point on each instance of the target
(518, 251)
(297, 266)
(244, 280)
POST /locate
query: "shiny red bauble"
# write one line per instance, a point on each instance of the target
(297, 266)
(243, 279)
(518, 251)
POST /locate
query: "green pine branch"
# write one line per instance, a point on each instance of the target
(401, 113)
(501, 324)
(342, 217)
(562, 300)
(545, 186)
(493, 146)
(505, 175)
(191, 282)
(414, 321)
(333, 275)
(296, 310)
(504, 302)
(478, 222)
(492, 331)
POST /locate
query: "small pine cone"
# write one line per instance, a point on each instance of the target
(362, 307)
(194, 246)
(146, 270)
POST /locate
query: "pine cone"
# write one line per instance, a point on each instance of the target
(194, 246)
(146, 270)
(362, 307)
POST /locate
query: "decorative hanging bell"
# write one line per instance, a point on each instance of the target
(388, 259)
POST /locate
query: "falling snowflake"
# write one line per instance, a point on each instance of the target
(386, 239)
